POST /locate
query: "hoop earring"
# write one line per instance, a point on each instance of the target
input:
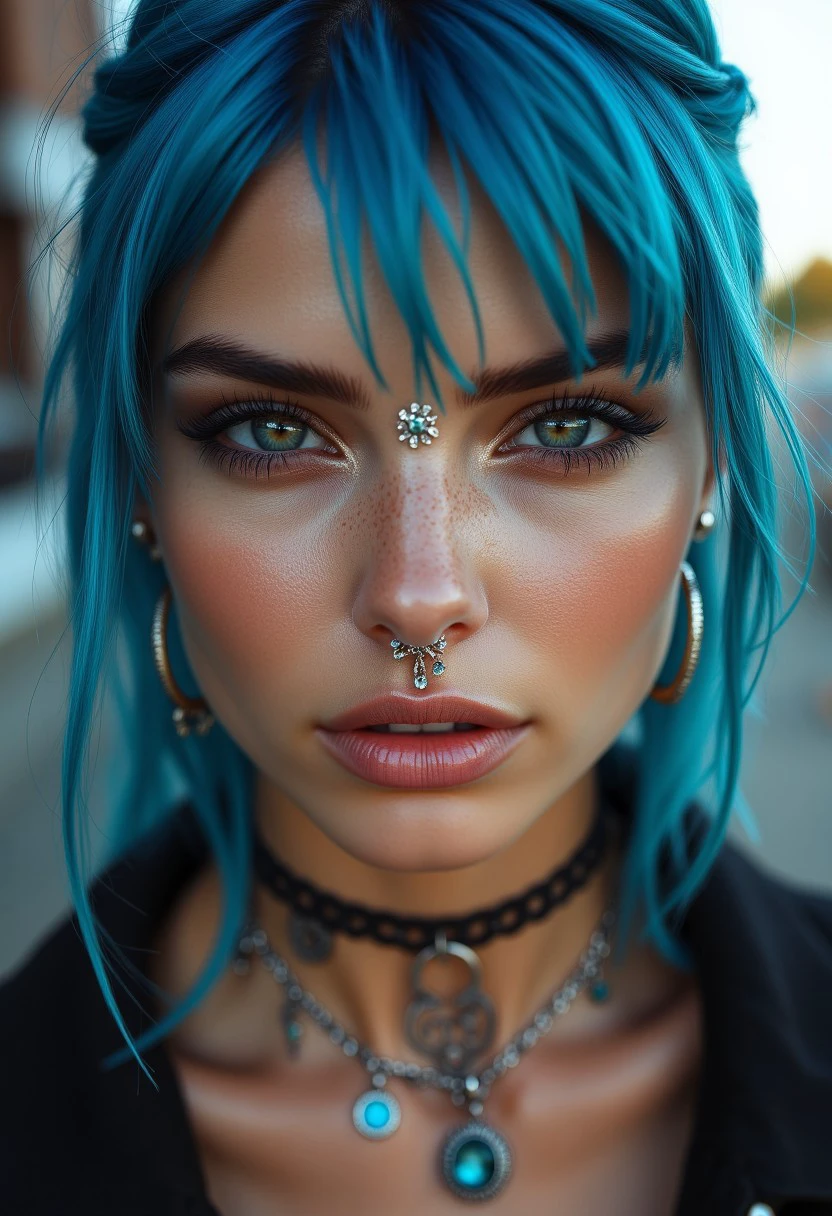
(668, 694)
(191, 713)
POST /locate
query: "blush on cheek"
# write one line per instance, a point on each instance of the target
(247, 615)
(598, 606)
(629, 598)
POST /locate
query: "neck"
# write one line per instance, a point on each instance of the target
(367, 986)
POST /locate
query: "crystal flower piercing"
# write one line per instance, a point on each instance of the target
(417, 425)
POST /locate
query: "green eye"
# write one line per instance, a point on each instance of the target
(560, 430)
(274, 432)
(277, 434)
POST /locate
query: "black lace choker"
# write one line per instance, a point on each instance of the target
(319, 914)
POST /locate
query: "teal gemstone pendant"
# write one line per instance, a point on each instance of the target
(475, 1162)
(376, 1114)
(599, 992)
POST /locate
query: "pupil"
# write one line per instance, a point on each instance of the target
(562, 432)
(277, 433)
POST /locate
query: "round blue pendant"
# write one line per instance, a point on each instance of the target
(475, 1162)
(376, 1114)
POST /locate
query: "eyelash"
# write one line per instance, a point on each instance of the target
(235, 409)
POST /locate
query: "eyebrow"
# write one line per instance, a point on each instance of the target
(227, 357)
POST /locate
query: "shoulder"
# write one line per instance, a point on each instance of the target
(762, 948)
(100, 1129)
(55, 985)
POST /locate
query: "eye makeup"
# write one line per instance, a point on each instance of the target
(561, 424)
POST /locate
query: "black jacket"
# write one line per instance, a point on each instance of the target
(77, 1141)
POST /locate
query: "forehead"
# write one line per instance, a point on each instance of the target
(268, 277)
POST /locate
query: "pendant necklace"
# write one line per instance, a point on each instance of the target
(475, 1160)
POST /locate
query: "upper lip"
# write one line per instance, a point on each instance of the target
(439, 707)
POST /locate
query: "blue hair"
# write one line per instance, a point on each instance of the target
(616, 111)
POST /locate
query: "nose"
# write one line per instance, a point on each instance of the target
(420, 578)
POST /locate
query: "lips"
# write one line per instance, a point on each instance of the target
(432, 760)
(440, 707)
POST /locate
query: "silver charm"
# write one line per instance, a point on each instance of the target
(417, 425)
(310, 940)
(401, 650)
(290, 1019)
(376, 1113)
(451, 1031)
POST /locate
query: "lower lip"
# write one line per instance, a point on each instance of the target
(422, 761)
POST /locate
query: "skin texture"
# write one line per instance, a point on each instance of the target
(557, 594)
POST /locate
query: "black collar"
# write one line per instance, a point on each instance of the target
(763, 953)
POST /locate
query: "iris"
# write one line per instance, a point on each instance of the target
(553, 431)
(276, 433)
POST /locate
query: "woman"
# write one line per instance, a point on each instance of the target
(417, 362)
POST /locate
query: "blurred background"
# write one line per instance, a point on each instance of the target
(787, 774)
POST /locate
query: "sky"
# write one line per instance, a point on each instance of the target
(785, 48)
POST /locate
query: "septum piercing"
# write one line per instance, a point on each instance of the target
(420, 678)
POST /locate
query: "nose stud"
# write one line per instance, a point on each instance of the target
(417, 425)
(420, 678)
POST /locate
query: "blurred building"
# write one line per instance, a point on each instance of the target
(42, 43)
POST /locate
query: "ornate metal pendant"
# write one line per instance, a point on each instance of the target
(453, 1031)
(475, 1162)
(310, 940)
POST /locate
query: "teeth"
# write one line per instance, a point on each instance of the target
(430, 728)
(407, 728)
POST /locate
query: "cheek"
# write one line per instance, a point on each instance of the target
(254, 593)
(600, 589)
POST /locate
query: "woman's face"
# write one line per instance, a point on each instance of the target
(298, 544)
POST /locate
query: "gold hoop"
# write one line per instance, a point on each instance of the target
(191, 713)
(668, 694)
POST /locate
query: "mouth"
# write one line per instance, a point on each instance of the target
(406, 742)
(428, 728)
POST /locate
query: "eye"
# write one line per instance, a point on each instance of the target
(256, 436)
(575, 430)
(562, 430)
(275, 432)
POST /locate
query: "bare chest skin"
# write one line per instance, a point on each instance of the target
(599, 1128)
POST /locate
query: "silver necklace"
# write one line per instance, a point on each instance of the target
(475, 1160)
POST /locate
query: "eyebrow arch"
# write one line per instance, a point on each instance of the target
(227, 357)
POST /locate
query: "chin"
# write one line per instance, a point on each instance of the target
(419, 838)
